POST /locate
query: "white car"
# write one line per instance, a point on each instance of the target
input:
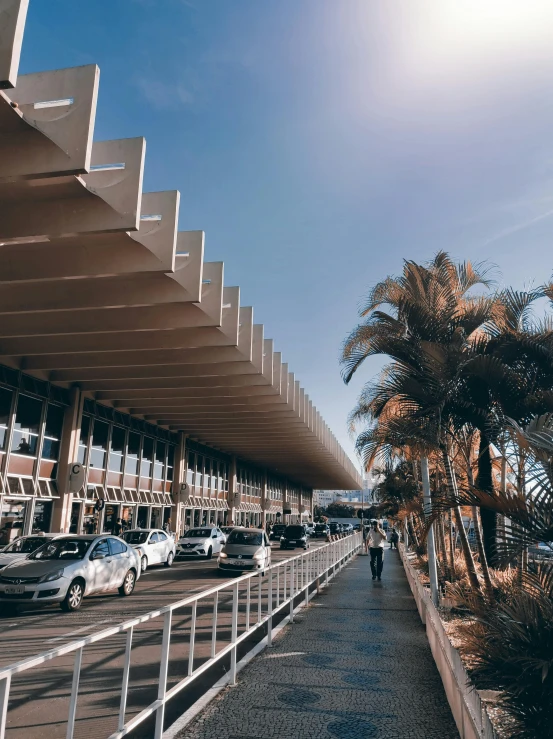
(202, 542)
(246, 549)
(153, 546)
(66, 569)
(21, 547)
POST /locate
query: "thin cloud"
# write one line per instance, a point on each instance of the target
(165, 95)
(518, 227)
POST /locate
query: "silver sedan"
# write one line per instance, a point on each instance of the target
(66, 569)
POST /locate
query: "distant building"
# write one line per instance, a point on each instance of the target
(324, 498)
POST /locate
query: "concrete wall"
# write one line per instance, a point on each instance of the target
(464, 700)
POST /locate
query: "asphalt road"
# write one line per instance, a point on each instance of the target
(39, 698)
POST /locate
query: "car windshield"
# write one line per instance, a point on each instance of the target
(334, 525)
(197, 534)
(136, 537)
(295, 531)
(246, 538)
(63, 549)
(26, 545)
(321, 526)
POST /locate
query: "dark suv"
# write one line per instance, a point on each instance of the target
(321, 529)
(294, 536)
(277, 531)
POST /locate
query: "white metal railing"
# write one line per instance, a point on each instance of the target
(236, 609)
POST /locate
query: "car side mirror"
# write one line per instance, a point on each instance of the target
(99, 555)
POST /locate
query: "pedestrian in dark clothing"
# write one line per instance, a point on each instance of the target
(118, 528)
(394, 538)
(376, 538)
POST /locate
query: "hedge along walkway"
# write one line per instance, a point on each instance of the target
(355, 665)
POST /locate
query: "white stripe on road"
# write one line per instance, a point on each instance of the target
(78, 631)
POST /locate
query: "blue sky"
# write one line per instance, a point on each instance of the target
(320, 142)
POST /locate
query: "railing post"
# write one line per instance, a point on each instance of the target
(259, 592)
(214, 625)
(292, 591)
(270, 609)
(234, 633)
(74, 693)
(5, 683)
(307, 579)
(192, 637)
(163, 669)
(248, 603)
(125, 684)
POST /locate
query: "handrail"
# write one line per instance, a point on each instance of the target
(274, 588)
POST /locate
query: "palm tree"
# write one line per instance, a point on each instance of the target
(510, 376)
(430, 331)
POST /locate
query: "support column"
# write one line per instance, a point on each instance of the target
(61, 515)
(179, 479)
(430, 544)
(232, 488)
(264, 501)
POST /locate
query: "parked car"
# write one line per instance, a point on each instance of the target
(347, 528)
(23, 546)
(154, 546)
(294, 536)
(68, 568)
(310, 528)
(202, 542)
(277, 531)
(246, 549)
(321, 529)
(335, 528)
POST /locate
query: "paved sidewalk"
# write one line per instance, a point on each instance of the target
(355, 665)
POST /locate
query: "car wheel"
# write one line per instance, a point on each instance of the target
(143, 563)
(170, 558)
(74, 597)
(209, 553)
(128, 584)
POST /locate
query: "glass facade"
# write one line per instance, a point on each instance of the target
(26, 430)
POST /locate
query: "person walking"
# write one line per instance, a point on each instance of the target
(376, 538)
(394, 538)
(118, 527)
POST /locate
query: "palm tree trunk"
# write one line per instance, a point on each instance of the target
(413, 531)
(443, 550)
(467, 554)
(451, 543)
(485, 482)
(479, 542)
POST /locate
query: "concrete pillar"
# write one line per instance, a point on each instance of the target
(232, 489)
(179, 478)
(264, 500)
(61, 515)
(430, 544)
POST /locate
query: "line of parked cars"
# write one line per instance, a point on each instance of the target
(65, 568)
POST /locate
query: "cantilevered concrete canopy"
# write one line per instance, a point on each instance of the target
(99, 290)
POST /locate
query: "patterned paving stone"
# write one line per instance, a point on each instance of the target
(356, 666)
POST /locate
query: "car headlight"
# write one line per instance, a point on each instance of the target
(259, 555)
(52, 576)
(222, 555)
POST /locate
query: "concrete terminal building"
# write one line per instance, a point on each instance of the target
(121, 348)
